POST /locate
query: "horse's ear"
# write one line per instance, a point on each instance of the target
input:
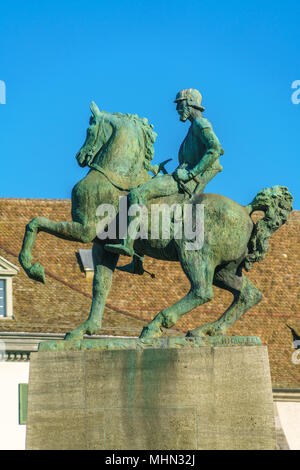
(95, 110)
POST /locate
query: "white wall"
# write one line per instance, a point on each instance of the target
(289, 415)
(12, 435)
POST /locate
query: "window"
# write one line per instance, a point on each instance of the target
(7, 272)
(3, 298)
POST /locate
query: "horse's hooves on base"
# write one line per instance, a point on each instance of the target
(204, 333)
(194, 334)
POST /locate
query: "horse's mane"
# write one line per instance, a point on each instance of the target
(149, 134)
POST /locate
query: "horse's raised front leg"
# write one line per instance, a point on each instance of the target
(104, 265)
(200, 275)
(74, 231)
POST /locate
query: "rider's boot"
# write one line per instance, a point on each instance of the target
(125, 248)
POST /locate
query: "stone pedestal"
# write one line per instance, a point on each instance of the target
(185, 397)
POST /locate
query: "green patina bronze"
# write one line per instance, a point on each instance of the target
(103, 344)
(119, 149)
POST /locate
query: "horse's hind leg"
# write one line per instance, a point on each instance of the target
(105, 264)
(200, 275)
(245, 294)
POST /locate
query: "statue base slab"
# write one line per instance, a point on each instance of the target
(184, 398)
(100, 344)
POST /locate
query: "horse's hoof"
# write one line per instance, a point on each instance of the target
(37, 273)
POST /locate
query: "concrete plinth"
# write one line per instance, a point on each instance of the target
(185, 398)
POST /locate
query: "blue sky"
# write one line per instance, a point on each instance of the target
(55, 57)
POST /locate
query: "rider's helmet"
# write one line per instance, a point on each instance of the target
(192, 96)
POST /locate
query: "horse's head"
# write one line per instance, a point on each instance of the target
(94, 138)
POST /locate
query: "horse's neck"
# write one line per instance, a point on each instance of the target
(122, 155)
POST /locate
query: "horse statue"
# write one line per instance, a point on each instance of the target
(119, 149)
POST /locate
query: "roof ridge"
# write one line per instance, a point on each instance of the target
(19, 199)
(34, 199)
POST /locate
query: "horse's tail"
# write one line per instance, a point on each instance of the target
(276, 202)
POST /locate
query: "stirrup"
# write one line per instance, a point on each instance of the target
(135, 267)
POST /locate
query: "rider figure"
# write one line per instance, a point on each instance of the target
(198, 161)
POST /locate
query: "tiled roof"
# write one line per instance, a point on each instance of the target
(64, 301)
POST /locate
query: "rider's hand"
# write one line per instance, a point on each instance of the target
(154, 169)
(182, 174)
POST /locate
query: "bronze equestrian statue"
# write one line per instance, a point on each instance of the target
(119, 149)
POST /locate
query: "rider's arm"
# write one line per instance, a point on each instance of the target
(154, 169)
(212, 145)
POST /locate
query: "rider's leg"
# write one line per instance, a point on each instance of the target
(157, 187)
